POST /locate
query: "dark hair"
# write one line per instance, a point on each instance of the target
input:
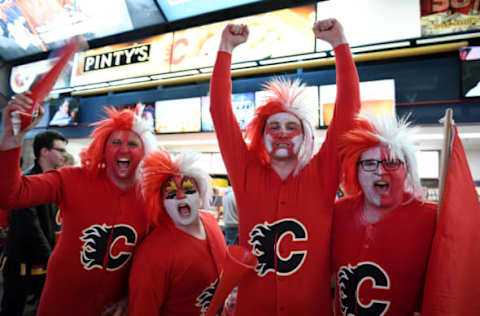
(45, 140)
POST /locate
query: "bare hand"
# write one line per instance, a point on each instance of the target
(232, 36)
(331, 31)
(20, 103)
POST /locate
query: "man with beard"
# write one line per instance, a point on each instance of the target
(285, 194)
(383, 231)
(176, 268)
(102, 216)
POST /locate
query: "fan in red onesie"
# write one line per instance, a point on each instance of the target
(102, 216)
(175, 270)
(383, 232)
(284, 192)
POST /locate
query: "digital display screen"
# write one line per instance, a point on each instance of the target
(64, 112)
(178, 115)
(181, 9)
(243, 106)
(378, 98)
(470, 65)
(32, 27)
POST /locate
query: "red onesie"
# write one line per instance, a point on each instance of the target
(286, 224)
(89, 266)
(174, 273)
(383, 264)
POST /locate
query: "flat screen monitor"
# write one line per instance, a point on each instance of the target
(64, 112)
(470, 68)
(148, 112)
(377, 97)
(243, 105)
(181, 9)
(28, 27)
(178, 115)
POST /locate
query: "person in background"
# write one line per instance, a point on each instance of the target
(176, 268)
(230, 217)
(284, 192)
(102, 215)
(383, 229)
(31, 233)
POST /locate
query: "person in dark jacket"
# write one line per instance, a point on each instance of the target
(31, 233)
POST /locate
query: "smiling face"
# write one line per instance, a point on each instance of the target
(123, 153)
(283, 135)
(181, 199)
(382, 188)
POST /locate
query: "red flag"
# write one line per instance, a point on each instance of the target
(452, 285)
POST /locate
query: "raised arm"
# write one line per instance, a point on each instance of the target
(347, 103)
(229, 135)
(17, 191)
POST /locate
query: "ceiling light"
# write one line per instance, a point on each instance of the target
(380, 46)
(447, 38)
(91, 86)
(175, 74)
(129, 80)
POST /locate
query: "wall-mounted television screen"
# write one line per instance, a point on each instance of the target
(470, 63)
(378, 98)
(64, 112)
(178, 115)
(310, 98)
(148, 111)
(243, 105)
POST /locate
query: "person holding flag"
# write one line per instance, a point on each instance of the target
(383, 228)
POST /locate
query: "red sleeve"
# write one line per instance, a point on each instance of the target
(347, 102)
(229, 135)
(148, 283)
(17, 191)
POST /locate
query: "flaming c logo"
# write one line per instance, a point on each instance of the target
(266, 239)
(96, 247)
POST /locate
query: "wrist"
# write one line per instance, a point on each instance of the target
(226, 47)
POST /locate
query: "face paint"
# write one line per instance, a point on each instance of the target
(123, 153)
(283, 135)
(381, 188)
(181, 200)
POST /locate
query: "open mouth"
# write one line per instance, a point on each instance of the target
(123, 163)
(381, 186)
(184, 210)
(283, 145)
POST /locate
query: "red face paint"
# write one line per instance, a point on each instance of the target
(381, 187)
(123, 153)
(283, 135)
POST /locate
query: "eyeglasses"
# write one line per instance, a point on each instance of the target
(371, 165)
(60, 150)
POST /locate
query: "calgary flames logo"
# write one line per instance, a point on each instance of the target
(266, 239)
(349, 282)
(96, 246)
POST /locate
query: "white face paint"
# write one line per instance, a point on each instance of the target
(381, 187)
(182, 200)
(283, 135)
